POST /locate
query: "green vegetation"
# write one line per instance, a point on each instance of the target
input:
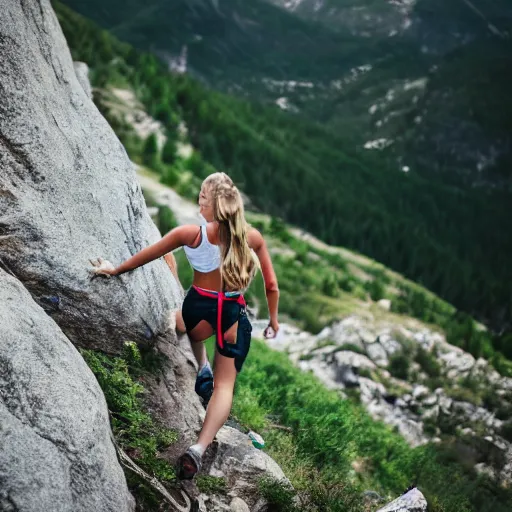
(151, 152)
(313, 310)
(506, 431)
(136, 432)
(211, 484)
(333, 450)
(166, 220)
(477, 391)
(399, 366)
(455, 242)
(352, 348)
(428, 363)
(236, 38)
(368, 280)
(257, 50)
(464, 395)
(325, 343)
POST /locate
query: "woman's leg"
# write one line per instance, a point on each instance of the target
(221, 401)
(222, 398)
(218, 409)
(198, 347)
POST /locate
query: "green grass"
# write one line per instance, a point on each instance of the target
(327, 434)
(211, 484)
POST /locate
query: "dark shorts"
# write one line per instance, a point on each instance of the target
(197, 307)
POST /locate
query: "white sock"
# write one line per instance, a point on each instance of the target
(199, 449)
(205, 366)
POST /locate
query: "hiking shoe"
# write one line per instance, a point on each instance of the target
(188, 465)
(204, 384)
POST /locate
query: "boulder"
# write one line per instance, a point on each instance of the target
(385, 304)
(68, 192)
(348, 331)
(238, 505)
(389, 344)
(56, 451)
(234, 457)
(353, 359)
(457, 362)
(377, 354)
(412, 501)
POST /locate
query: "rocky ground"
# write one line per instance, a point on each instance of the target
(412, 379)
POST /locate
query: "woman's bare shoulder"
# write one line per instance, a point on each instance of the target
(186, 234)
(254, 238)
(212, 231)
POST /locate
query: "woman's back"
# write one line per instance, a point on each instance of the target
(205, 257)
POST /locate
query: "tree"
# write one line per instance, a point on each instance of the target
(169, 151)
(150, 152)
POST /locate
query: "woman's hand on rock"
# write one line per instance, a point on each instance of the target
(102, 267)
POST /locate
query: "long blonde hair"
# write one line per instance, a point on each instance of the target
(238, 265)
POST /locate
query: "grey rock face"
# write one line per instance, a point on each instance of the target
(238, 505)
(412, 501)
(82, 73)
(55, 448)
(68, 192)
(242, 465)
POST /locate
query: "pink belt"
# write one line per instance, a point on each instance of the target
(221, 297)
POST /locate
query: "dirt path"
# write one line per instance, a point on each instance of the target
(184, 210)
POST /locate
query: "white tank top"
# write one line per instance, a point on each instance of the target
(206, 256)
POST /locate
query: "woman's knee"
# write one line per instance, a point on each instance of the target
(224, 372)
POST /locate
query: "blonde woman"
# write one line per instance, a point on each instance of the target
(220, 252)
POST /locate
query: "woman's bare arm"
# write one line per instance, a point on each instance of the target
(171, 263)
(173, 266)
(182, 235)
(258, 245)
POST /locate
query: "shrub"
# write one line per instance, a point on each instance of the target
(170, 175)
(346, 283)
(280, 497)
(278, 228)
(329, 286)
(375, 288)
(352, 347)
(506, 431)
(399, 366)
(462, 394)
(166, 220)
(428, 363)
(151, 153)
